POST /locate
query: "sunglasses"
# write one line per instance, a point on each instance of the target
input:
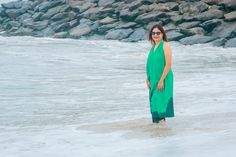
(157, 33)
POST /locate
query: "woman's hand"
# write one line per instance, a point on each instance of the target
(148, 83)
(160, 85)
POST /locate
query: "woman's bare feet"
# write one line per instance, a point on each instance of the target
(162, 122)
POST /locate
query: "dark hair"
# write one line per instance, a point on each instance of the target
(162, 31)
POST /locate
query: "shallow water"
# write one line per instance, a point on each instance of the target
(89, 98)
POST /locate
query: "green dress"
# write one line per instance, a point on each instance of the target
(161, 102)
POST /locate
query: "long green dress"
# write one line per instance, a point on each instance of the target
(161, 102)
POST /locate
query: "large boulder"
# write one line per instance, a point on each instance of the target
(196, 39)
(231, 43)
(79, 31)
(118, 34)
(230, 16)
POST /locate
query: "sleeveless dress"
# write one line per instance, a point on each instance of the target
(161, 102)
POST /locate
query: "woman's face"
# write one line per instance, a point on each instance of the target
(156, 35)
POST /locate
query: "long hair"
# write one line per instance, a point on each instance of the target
(162, 31)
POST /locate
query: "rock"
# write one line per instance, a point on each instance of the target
(39, 25)
(144, 18)
(231, 43)
(126, 15)
(106, 3)
(177, 19)
(189, 24)
(73, 23)
(107, 20)
(174, 35)
(37, 16)
(186, 32)
(230, 16)
(126, 25)
(118, 34)
(210, 14)
(44, 33)
(198, 30)
(61, 16)
(138, 34)
(196, 39)
(22, 31)
(102, 29)
(135, 4)
(230, 4)
(192, 8)
(168, 6)
(2, 12)
(218, 42)
(60, 35)
(92, 13)
(23, 17)
(62, 27)
(79, 31)
(43, 7)
(13, 13)
(17, 4)
(226, 30)
(11, 24)
(211, 24)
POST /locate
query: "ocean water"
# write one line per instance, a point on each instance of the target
(65, 97)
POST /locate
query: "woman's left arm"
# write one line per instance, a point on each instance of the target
(168, 59)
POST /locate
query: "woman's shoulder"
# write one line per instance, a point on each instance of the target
(166, 44)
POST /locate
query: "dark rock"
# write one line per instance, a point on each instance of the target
(11, 24)
(189, 24)
(145, 18)
(218, 42)
(57, 23)
(174, 35)
(196, 39)
(230, 4)
(126, 15)
(44, 33)
(186, 32)
(231, 43)
(22, 31)
(43, 7)
(92, 13)
(61, 16)
(37, 16)
(23, 17)
(118, 34)
(13, 13)
(210, 14)
(126, 25)
(192, 8)
(102, 29)
(138, 34)
(135, 4)
(2, 12)
(226, 30)
(211, 24)
(62, 27)
(230, 16)
(106, 3)
(17, 4)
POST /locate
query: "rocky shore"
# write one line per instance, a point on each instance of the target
(189, 22)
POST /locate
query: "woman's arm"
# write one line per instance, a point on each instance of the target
(168, 59)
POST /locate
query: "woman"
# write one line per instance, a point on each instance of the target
(160, 76)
